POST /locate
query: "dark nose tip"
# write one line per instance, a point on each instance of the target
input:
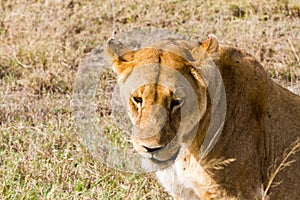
(151, 150)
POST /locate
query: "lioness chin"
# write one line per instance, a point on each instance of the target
(165, 87)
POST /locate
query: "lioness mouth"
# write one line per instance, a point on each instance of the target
(156, 159)
(151, 150)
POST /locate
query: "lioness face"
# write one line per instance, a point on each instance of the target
(165, 98)
(155, 96)
(155, 110)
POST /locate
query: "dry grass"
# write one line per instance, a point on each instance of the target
(281, 164)
(42, 43)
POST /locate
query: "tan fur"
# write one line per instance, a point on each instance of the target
(262, 122)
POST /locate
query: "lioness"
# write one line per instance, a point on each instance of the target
(261, 126)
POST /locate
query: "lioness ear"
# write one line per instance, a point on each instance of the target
(119, 54)
(210, 45)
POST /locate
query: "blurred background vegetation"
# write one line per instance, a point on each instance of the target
(42, 44)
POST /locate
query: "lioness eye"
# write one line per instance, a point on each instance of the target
(137, 100)
(176, 103)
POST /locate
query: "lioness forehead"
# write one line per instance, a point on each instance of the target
(159, 56)
(155, 66)
(156, 77)
(153, 92)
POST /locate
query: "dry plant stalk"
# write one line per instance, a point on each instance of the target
(295, 147)
(219, 163)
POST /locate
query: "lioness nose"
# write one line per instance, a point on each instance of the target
(150, 150)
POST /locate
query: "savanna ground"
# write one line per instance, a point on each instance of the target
(43, 42)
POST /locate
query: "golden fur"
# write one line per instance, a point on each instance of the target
(262, 121)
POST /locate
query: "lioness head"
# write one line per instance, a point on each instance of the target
(164, 93)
